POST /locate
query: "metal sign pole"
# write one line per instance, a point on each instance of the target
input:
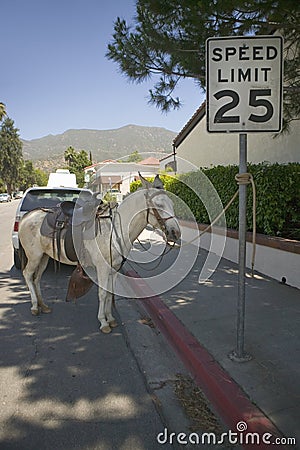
(239, 354)
(243, 94)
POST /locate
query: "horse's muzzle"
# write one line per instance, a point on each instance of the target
(173, 234)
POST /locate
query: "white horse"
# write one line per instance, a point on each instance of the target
(107, 251)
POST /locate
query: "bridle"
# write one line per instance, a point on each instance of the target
(152, 209)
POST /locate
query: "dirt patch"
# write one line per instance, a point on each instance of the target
(196, 405)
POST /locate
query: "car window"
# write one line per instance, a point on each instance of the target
(47, 198)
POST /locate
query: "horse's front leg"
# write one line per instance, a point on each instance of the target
(105, 317)
(105, 279)
(108, 314)
(103, 301)
(109, 300)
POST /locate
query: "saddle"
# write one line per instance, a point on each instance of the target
(57, 224)
(66, 222)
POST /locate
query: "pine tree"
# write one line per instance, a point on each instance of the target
(168, 42)
(11, 158)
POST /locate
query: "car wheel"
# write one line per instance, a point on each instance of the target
(17, 261)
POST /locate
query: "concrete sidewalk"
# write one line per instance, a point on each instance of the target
(208, 313)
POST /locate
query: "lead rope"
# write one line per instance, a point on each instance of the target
(241, 179)
(160, 257)
(245, 179)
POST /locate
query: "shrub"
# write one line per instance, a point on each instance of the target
(277, 188)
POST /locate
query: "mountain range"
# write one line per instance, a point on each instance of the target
(48, 152)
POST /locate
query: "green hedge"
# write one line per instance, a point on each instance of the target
(277, 189)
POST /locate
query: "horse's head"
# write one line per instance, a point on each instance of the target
(86, 207)
(160, 210)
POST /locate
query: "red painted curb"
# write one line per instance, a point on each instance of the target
(230, 402)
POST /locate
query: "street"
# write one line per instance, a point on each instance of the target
(64, 385)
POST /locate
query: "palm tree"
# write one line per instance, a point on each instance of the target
(2, 111)
(70, 155)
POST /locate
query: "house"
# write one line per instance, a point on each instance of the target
(89, 171)
(194, 146)
(113, 176)
(168, 163)
(151, 161)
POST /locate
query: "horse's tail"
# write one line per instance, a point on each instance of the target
(23, 257)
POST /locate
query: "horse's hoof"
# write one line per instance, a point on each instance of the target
(106, 329)
(113, 324)
(45, 309)
(35, 312)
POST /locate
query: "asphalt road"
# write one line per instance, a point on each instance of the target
(63, 384)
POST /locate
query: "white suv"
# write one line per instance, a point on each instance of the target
(37, 197)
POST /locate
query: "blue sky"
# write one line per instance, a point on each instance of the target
(54, 74)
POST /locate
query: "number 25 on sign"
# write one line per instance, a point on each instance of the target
(244, 84)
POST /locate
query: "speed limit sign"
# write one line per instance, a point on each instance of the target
(244, 84)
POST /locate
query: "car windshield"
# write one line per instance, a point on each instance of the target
(47, 198)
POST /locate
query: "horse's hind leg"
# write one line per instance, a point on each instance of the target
(31, 271)
(37, 281)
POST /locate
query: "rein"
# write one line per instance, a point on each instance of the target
(164, 253)
(151, 209)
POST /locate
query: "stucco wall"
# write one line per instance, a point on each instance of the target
(206, 149)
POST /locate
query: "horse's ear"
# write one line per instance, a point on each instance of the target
(157, 183)
(97, 198)
(145, 183)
